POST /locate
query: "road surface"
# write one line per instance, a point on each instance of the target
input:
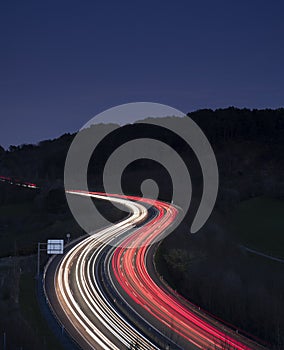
(107, 294)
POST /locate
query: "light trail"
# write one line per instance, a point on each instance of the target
(83, 302)
(16, 182)
(98, 319)
(158, 302)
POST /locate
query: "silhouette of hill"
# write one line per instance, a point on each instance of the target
(207, 268)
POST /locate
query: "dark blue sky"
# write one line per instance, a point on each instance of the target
(62, 62)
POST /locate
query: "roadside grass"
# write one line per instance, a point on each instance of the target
(25, 226)
(162, 267)
(20, 210)
(32, 313)
(259, 224)
(22, 226)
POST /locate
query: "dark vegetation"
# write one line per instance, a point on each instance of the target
(210, 268)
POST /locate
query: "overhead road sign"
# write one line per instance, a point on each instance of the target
(55, 246)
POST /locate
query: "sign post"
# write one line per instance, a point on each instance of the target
(40, 247)
(4, 341)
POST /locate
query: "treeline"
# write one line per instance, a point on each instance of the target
(224, 125)
(45, 160)
(248, 145)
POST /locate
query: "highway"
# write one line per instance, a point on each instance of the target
(16, 182)
(107, 294)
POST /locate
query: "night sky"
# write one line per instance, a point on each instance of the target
(62, 62)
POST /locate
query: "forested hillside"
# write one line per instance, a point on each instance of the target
(211, 266)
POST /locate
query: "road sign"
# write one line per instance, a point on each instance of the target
(55, 246)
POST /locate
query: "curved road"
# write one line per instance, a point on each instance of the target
(106, 292)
